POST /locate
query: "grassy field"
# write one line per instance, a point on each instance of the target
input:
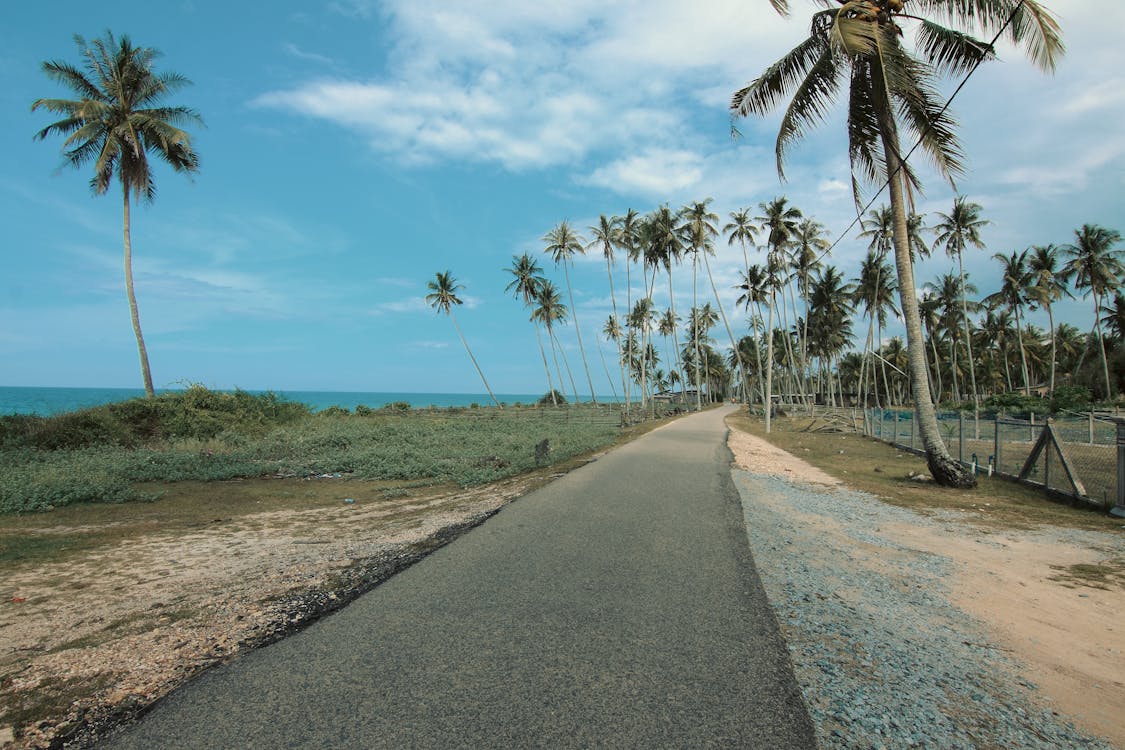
(872, 466)
(133, 450)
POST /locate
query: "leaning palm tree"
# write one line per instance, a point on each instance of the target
(956, 231)
(1095, 265)
(443, 298)
(1048, 286)
(607, 236)
(1015, 280)
(550, 311)
(527, 276)
(116, 123)
(779, 222)
(892, 88)
(628, 226)
(562, 244)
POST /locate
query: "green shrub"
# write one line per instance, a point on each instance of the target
(1071, 397)
(546, 400)
(334, 411)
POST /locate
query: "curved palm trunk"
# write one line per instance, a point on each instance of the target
(555, 355)
(617, 339)
(945, 470)
(730, 334)
(769, 363)
(1023, 354)
(628, 310)
(146, 373)
(695, 333)
(578, 333)
(546, 368)
(758, 350)
(605, 368)
(474, 359)
(968, 338)
(1101, 343)
(672, 307)
(1051, 322)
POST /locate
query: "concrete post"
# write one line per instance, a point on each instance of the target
(1119, 506)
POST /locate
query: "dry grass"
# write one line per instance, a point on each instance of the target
(875, 467)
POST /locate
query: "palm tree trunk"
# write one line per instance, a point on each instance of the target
(945, 470)
(617, 339)
(730, 334)
(1023, 353)
(605, 367)
(1051, 322)
(546, 368)
(695, 330)
(769, 362)
(1101, 344)
(146, 373)
(555, 355)
(578, 333)
(474, 359)
(968, 339)
(672, 307)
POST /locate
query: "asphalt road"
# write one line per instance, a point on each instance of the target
(617, 607)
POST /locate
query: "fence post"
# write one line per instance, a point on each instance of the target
(961, 436)
(1091, 415)
(1031, 427)
(895, 441)
(996, 441)
(913, 419)
(1119, 507)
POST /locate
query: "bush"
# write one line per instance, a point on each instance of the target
(334, 411)
(1071, 397)
(547, 400)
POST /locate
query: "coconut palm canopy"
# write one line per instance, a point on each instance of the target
(353, 149)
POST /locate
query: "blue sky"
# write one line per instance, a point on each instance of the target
(354, 148)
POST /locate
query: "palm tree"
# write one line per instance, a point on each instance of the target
(1095, 265)
(874, 289)
(562, 244)
(628, 229)
(1114, 318)
(1015, 280)
(1048, 286)
(956, 231)
(809, 246)
(550, 310)
(699, 230)
(664, 248)
(893, 87)
(780, 222)
(607, 235)
(443, 298)
(525, 286)
(117, 121)
(754, 292)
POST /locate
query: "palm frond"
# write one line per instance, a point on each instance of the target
(949, 51)
(810, 103)
(864, 150)
(766, 91)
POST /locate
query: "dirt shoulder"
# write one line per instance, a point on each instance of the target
(91, 639)
(1052, 598)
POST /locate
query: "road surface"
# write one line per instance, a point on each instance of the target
(617, 607)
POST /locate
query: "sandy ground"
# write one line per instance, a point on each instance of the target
(126, 624)
(1069, 635)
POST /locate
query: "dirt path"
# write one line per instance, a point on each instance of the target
(1042, 593)
(92, 637)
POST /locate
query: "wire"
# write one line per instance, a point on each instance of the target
(902, 162)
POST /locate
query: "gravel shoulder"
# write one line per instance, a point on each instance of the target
(911, 630)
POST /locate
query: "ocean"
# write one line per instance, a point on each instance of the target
(49, 401)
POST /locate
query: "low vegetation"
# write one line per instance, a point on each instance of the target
(109, 453)
(901, 478)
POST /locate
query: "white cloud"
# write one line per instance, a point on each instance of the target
(655, 173)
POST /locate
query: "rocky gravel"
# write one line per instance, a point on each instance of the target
(884, 660)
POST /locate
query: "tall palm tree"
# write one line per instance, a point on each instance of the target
(117, 122)
(607, 236)
(562, 244)
(891, 88)
(1015, 280)
(956, 231)
(1048, 286)
(1095, 265)
(699, 233)
(809, 246)
(628, 230)
(874, 288)
(779, 221)
(1114, 318)
(665, 248)
(753, 286)
(550, 311)
(443, 298)
(527, 276)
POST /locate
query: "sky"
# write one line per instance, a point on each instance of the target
(352, 149)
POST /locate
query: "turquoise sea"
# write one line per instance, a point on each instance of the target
(48, 401)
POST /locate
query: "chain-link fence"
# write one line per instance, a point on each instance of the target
(1080, 456)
